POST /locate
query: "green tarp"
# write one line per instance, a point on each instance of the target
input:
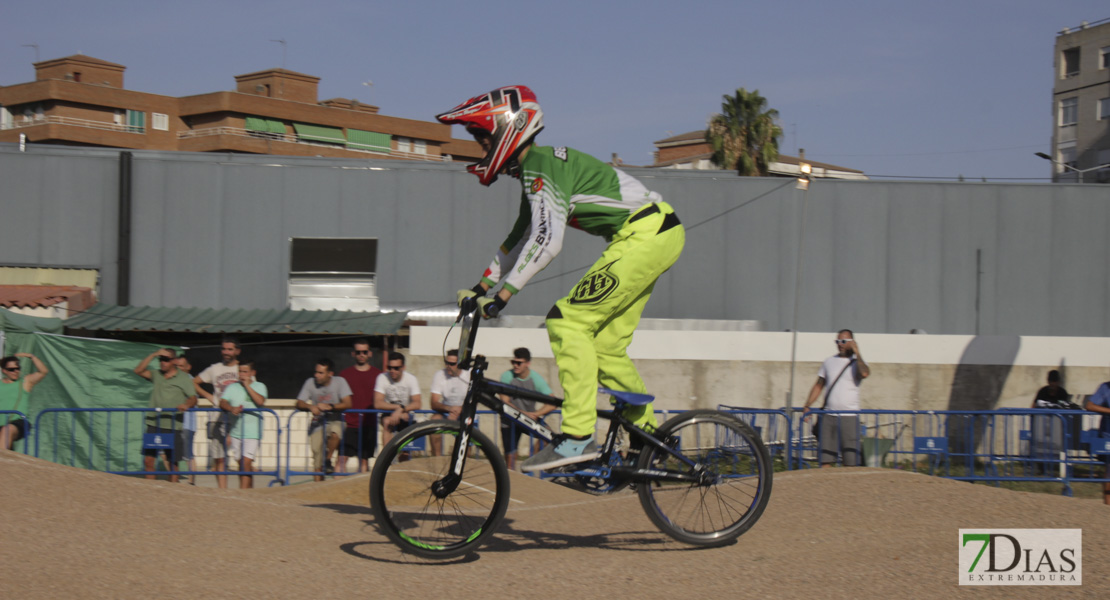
(83, 373)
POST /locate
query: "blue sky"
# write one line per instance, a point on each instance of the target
(922, 89)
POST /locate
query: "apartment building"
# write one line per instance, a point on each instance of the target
(1081, 104)
(692, 151)
(81, 100)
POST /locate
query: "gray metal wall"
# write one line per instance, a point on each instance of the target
(212, 231)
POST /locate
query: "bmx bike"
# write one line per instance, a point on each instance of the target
(703, 477)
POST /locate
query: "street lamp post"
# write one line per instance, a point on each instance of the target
(1069, 167)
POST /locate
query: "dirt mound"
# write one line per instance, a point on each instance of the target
(864, 533)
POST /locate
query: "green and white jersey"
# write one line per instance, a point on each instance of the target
(563, 187)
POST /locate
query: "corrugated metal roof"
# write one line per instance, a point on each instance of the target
(109, 317)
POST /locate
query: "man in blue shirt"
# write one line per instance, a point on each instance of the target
(521, 375)
(1100, 402)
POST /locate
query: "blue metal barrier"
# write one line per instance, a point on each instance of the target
(101, 451)
(419, 417)
(994, 446)
(1060, 446)
(27, 432)
(773, 426)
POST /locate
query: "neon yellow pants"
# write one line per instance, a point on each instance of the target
(591, 328)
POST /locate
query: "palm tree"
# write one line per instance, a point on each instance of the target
(744, 136)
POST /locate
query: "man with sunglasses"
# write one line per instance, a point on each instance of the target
(360, 438)
(843, 373)
(173, 390)
(449, 386)
(398, 391)
(521, 375)
(14, 393)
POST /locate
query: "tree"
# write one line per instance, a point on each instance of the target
(744, 136)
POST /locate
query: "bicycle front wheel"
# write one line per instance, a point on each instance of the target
(734, 472)
(411, 514)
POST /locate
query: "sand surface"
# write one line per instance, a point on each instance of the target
(839, 533)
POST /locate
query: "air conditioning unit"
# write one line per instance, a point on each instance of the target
(333, 274)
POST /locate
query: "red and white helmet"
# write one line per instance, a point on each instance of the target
(510, 117)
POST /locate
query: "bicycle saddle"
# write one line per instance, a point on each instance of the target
(629, 397)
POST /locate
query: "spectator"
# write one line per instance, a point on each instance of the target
(360, 438)
(14, 393)
(397, 391)
(521, 375)
(219, 376)
(1099, 402)
(839, 434)
(172, 390)
(1053, 395)
(246, 429)
(326, 396)
(1047, 432)
(449, 386)
(189, 428)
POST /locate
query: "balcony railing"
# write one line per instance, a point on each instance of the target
(22, 122)
(293, 139)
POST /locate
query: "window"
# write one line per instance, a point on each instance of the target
(33, 111)
(159, 121)
(136, 121)
(1069, 111)
(404, 144)
(1104, 58)
(118, 117)
(1069, 63)
(420, 147)
(1104, 108)
(1067, 155)
(5, 117)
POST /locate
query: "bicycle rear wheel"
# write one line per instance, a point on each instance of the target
(735, 478)
(408, 511)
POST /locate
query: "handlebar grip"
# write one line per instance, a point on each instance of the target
(467, 306)
(493, 310)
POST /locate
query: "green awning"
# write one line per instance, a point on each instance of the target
(264, 125)
(319, 133)
(275, 126)
(110, 317)
(257, 124)
(368, 140)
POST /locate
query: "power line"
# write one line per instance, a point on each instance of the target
(884, 154)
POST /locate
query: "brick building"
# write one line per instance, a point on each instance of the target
(80, 100)
(692, 151)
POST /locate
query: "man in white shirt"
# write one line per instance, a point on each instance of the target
(843, 373)
(396, 390)
(219, 375)
(449, 387)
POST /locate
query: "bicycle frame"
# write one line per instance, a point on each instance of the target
(483, 391)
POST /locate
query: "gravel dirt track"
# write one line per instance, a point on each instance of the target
(840, 533)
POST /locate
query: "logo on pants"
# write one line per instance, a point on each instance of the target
(595, 287)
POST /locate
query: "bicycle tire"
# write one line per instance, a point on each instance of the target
(735, 492)
(411, 515)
